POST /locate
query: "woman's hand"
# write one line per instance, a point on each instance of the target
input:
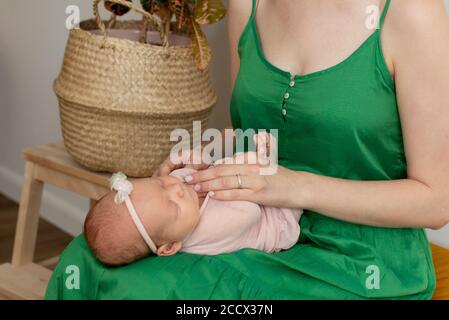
(281, 189)
(195, 154)
(169, 165)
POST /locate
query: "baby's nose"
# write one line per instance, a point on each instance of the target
(177, 188)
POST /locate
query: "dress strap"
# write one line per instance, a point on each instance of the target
(384, 13)
(254, 8)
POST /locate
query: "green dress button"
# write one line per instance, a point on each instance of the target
(286, 96)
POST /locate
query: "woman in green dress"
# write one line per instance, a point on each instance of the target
(358, 91)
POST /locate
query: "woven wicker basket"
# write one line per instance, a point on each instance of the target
(120, 99)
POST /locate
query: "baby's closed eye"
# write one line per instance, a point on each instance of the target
(175, 209)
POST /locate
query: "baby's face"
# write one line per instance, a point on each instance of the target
(168, 208)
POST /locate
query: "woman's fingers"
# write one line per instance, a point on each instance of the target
(167, 167)
(223, 170)
(186, 161)
(230, 182)
(234, 195)
(200, 166)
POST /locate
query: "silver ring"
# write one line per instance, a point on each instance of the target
(239, 179)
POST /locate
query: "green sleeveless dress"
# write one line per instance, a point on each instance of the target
(341, 122)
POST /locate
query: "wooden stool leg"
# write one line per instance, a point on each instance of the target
(28, 220)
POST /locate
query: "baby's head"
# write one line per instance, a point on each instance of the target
(169, 212)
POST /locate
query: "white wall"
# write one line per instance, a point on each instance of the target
(32, 41)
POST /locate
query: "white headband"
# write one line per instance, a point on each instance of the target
(120, 183)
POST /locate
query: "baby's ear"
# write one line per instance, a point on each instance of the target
(169, 249)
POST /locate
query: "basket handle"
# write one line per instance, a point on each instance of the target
(162, 29)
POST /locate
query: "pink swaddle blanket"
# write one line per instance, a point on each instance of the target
(227, 226)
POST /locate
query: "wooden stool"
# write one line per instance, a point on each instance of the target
(441, 262)
(23, 279)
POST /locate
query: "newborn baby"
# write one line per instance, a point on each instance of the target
(163, 215)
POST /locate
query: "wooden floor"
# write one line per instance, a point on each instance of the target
(50, 240)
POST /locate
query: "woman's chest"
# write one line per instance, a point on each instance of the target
(334, 103)
(307, 36)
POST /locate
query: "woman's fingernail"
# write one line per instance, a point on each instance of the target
(188, 178)
(212, 193)
(197, 187)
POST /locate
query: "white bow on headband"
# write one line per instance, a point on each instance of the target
(120, 183)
